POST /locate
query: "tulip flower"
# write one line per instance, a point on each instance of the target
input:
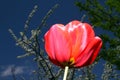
(74, 45)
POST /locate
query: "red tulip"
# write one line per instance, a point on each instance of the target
(73, 45)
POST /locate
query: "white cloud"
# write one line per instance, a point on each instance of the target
(8, 70)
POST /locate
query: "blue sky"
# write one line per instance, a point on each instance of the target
(13, 15)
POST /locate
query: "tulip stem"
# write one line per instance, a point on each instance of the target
(65, 72)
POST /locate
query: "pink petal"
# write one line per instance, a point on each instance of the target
(80, 35)
(57, 44)
(90, 53)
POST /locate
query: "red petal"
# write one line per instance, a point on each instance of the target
(90, 53)
(80, 35)
(57, 44)
(76, 41)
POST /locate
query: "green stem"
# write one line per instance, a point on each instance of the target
(65, 73)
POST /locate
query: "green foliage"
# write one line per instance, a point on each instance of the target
(106, 15)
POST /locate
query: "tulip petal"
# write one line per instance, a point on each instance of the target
(90, 53)
(57, 44)
(80, 35)
(73, 45)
